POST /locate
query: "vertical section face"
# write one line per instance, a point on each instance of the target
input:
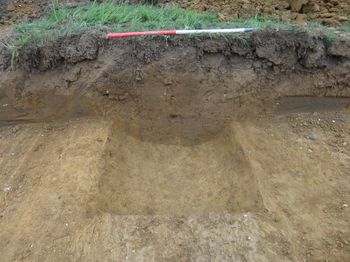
(171, 150)
(177, 100)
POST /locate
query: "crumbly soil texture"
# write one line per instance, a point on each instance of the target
(328, 12)
(176, 149)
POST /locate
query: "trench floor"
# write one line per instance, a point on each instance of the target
(75, 186)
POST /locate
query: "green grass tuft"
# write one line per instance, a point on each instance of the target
(123, 17)
(329, 38)
(118, 17)
(345, 27)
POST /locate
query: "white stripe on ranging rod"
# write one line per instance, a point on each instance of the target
(214, 31)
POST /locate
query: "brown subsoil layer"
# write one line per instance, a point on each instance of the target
(155, 149)
(328, 12)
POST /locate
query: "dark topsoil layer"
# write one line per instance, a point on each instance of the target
(258, 67)
(189, 88)
(289, 50)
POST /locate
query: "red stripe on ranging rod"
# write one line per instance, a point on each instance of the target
(180, 32)
(130, 34)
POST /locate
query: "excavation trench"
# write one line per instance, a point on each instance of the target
(172, 147)
(165, 157)
(187, 148)
(170, 158)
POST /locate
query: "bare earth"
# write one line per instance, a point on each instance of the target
(274, 189)
(187, 149)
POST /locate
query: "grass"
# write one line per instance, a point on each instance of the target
(123, 17)
(119, 17)
(345, 27)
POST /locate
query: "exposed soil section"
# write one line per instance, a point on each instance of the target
(327, 12)
(176, 149)
(14, 11)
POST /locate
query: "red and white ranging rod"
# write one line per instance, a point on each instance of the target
(180, 32)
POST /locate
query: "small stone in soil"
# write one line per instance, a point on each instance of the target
(7, 189)
(312, 136)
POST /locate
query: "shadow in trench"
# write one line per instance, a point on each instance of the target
(45, 107)
(147, 178)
